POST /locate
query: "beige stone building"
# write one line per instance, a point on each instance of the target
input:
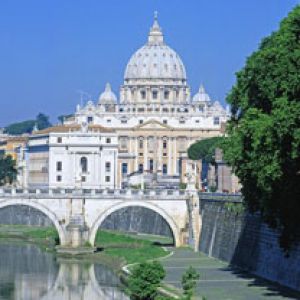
(155, 118)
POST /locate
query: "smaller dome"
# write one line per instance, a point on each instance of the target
(108, 96)
(201, 96)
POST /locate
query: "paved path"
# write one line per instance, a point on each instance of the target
(220, 282)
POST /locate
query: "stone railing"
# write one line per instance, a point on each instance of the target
(132, 194)
(221, 197)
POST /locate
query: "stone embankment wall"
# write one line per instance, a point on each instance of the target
(23, 215)
(245, 241)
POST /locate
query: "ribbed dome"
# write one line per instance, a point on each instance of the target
(201, 96)
(107, 97)
(155, 60)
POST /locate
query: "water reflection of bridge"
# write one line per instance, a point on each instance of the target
(85, 281)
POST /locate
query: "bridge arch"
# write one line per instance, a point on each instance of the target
(43, 209)
(170, 221)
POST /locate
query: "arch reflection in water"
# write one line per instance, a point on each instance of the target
(27, 273)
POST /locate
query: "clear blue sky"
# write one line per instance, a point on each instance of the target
(51, 49)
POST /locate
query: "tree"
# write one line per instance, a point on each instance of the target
(188, 282)
(20, 127)
(263, 143)
(8, 172)
(144, 280)
(42, 121)
(205, 149)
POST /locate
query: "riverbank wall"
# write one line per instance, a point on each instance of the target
(244, 240)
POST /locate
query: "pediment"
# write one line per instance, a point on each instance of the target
(153, 124)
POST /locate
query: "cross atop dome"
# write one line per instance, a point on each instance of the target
(155, 36)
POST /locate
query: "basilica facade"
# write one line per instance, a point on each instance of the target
(156, 118)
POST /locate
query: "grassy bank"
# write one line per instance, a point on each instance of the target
(44, 236)
(125, 248)
(133, 249)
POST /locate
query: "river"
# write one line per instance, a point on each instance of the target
(29, 273)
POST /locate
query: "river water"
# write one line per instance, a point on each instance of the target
(29, 273)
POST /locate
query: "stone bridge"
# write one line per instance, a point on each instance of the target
(77, 214)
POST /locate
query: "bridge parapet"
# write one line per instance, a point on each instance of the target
(128, 194)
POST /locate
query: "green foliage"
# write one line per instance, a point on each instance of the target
(263, 143)
(20, 127)
(212, 188)
(42, 122)
(236, 208)
(182, 185)
(205, 149)
(144, 280)
(8, 171)
(189, 281)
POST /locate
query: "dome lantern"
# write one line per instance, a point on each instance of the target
(155, 36)
(108, 96)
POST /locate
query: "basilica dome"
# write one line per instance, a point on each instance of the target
(155, 60)
(108, 96)
(201, 96)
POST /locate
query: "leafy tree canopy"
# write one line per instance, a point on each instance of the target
(41, 121)
(205, 149)
(8, 170)
(263, 143)
(144, 281)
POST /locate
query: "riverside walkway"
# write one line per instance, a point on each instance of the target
(218, 281)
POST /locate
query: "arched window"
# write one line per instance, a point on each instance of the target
(83, 164)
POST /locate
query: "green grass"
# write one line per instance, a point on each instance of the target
(132, 249)
(38, 234)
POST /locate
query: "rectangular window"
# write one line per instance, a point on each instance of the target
(107, 166)
(216, 120)
(141, 143)
(83, 179)
(141, 168)
(151, 164)
(108, 140)
(166, 95)
(182, 121)
(108, 120)
(165, 169)
(165, 144)
(141, 154)
(90, 119)
(154, 94)
(58, 178)
(141, 121)
(124, 168)
(58, 166)
(165, 121)
(143, 95)
(124, 121)
(107, 178)
(59, 139)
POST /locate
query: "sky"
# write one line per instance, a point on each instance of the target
(51, 50)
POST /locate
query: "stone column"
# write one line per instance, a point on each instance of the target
(170, 154)
(175, 156)
(136, 154)
(145, 154)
